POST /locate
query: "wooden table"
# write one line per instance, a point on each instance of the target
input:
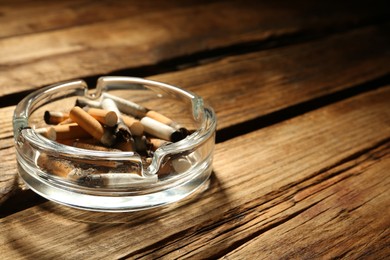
(302, 95)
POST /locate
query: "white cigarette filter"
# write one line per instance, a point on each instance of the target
(160, 130)
(126, 106)
(122, 130)
(109, 104)
(163, 119)
(82, 102)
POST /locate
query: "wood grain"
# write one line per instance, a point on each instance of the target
(30, 60)
(8, 173)
(300, 164)
(245, 87)
(270, 77)
(345, 216)
(26, 17)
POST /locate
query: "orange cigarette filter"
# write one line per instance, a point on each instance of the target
(159, 117)
(47, 132)
(68, 131)
(135, 126)
(106, 117)
(87, 122)
(66, 121)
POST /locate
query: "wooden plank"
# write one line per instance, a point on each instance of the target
(232, 84)
(26, 17)
(244, 87)
(8, 175)
(252, 192)
(346, 216)
(32, 60)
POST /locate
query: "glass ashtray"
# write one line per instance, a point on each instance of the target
(162, 155)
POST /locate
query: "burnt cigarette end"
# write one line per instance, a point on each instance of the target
(141, 145)
(177, 136)
(46, 117)
(184, 132)
(53, 118)
(89, 180)
(122, 132)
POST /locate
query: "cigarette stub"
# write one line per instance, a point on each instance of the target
(157, 143)
(160, 130)
(135, 126)
(69, 131)
(66, 121)
(159, 117)
(82, 102)
(106, 117)
(122, 131)
(126, 106)
(47, 132)
(53, 118)
(54, 166)
(116, 179)
(109, 104)
(163, 119)
(91, 125)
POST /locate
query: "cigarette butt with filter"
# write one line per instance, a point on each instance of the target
(82, 102)
(106, 117)
(126, 106)
(135, 126)
(165, 120)
(116, 179)
(68, 131)
(160, 130)
(54, 166)
(92, 126)
(54, 117)
(47, 132)
(66, 121)
(122, 131)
